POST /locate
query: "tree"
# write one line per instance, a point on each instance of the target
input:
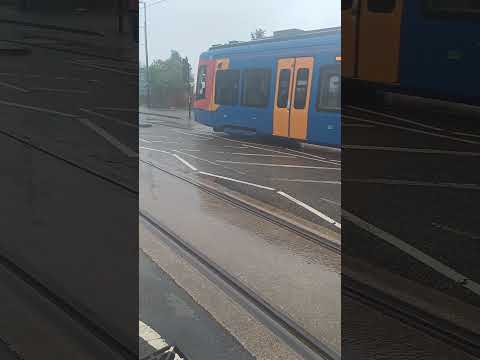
(258, 34)
(170, 79)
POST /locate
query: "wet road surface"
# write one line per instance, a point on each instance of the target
(170, 311)
(257, 168)
(410, 187)
(298, 277)
(55, 157)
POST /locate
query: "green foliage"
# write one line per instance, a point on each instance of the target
(258, 34)
(168, 78)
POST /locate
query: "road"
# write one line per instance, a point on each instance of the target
(63, 167)
(266, 258)
(283, 176)
(410, 187)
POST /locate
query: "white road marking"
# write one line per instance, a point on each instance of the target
(248, 145)
(311, 209)
(234, 146)
(20, 75)
(456, 231)
(67, 91)
(210, 162)
(186, 163)
(117, 109)
(413, 252)
(396, 118)
(151, 149)
(10, 86)
(112, 140)
(358, 125)
(159, 136)
(145, 140)
(282, 152)
(264, 155)
(191, 150)
(238, 181)
(309, 156)
(104, 68)
(415, 183)
(313, 156)
(151, 336)
(108, 118)
(330, 201)
(277, 165)
(411, 150)
(309, 181)
(466, 134)
(36, 108)
(413, 130)
(203, 137)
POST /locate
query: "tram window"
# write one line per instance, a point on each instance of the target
(381, 6)
(329, 93)
(256, 87)
(452, 7)
(226, 87)
(201, 82)
(301, 88)
(283, 88)
(347, 4)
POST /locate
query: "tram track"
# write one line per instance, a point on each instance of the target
(440, 329)
(371, 296)
(287, 329)
(64, 301)
(268, 216)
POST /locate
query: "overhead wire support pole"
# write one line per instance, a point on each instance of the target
(145, 32)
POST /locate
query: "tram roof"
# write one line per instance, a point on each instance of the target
(283, 35)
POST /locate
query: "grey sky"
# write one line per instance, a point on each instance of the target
(191, 26)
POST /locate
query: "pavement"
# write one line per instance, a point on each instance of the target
(168, 309)
(256, 168)
(410, 186)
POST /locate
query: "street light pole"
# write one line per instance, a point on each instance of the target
(145, 32)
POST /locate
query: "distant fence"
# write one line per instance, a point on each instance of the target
(165, 98)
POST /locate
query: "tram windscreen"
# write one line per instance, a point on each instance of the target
(201, 82)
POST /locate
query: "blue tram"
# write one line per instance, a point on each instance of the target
(287, 85)
(428, 48)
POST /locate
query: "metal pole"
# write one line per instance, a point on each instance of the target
(147, 73)
(120, 16)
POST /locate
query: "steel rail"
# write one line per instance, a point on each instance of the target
(291, 332)
(304, 233)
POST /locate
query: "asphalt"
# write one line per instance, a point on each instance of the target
(57, 157)
(295, 275)
(415, 176)
(33, 327)
(310, 175)
(170, 311)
